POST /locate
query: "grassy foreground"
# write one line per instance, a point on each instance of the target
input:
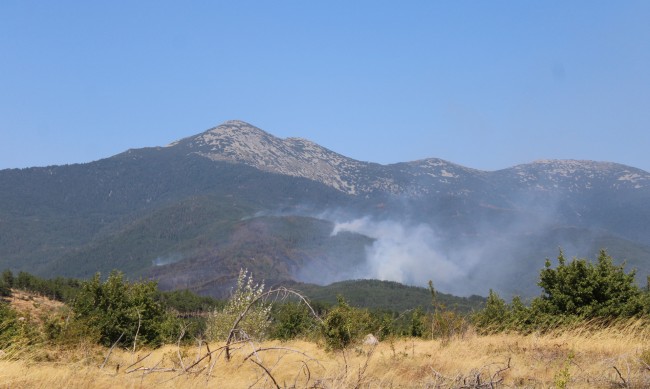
(614, 357)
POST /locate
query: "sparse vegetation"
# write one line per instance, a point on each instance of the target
(497, 360)
(588, 328)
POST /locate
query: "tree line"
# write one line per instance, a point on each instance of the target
(115, 310)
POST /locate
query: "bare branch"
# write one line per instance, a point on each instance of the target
(208, 355)
(178, 347)
(362, 370)
(625, 384)
(310, 358)
(135, 339)
(498, 373)
(111, 350)
(267, 372)
(308, 374)
(138, 361)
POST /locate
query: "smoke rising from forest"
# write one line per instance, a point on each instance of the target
(411, 254)
(504, 254)
(494, 256)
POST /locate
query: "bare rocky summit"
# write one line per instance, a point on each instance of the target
(241, 143)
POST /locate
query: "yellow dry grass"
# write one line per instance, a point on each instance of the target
(583, 358)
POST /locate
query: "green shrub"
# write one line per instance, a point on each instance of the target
(116, 308)
(571, 292)
(384, 324)
(588, 290)
(9, 328)
(5, 291)
(345, 325)
(418, 324)
(495, 316)
(446, 324)
(291, 320)
(16, 331)
(6, 283)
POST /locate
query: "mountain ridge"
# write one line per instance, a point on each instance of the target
(171, 212)
(239, 142)
(224, 133)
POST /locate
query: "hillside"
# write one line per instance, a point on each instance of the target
(387, 295)
(192, 213)
(275, 249)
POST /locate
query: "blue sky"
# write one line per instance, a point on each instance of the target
(486, 84)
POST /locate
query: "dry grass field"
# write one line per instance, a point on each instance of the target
(589, 356)
(606, 358)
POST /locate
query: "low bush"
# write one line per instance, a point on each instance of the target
(345, 325)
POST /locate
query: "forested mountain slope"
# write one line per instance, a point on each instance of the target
(192, 213)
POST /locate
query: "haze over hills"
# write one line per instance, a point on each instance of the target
(191, 214)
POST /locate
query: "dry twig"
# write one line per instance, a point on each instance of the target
(625, 384)
(138, 361)
(110, 351)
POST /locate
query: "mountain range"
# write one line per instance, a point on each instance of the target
(194, 212)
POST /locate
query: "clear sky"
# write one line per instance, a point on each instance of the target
(486, 84)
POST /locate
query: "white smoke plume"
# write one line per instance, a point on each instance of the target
(411, 254)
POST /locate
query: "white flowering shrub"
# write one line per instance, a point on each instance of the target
(255, 323)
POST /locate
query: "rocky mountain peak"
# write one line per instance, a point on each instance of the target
(580, 174)
(239, 142)
(236, 141)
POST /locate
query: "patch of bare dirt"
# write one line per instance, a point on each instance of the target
(33, 305)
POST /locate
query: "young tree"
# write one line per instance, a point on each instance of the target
(495, 315)
(6, 283)
(255, 323)
(8, 278)
(589, 290)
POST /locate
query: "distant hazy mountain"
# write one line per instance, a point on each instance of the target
(192, 213)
